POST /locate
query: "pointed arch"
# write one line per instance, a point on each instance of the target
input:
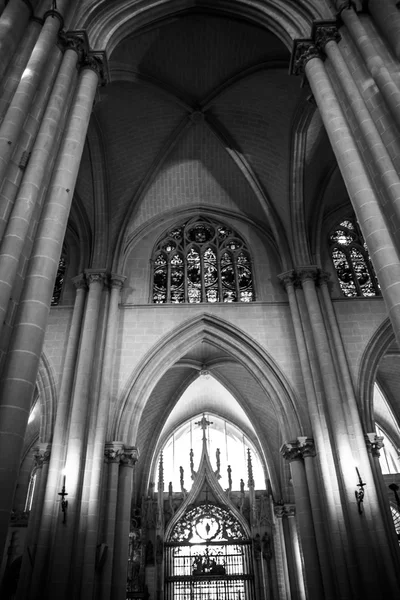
(373, 353)
(47, 398)
(174, 345)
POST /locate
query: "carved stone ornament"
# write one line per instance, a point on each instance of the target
(75, 40)
(113, 452)
(129, 456)
(97, 62)
(117, 281)
(324, 32)
(374, 443)
(288, 278)
(308, 272)
(290, 510)
(79, 281)
(306, 446)
(279, 510)
(291, 451)
(95, 276)
(41, 455)
(303, 51)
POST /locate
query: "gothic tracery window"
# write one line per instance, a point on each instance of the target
(59, 282)
(202, 261)
(350, 257)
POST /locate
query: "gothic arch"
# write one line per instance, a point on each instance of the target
(47, 398)
(108, 24)
(372, 355)
(174, 345)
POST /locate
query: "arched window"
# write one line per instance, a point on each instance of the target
(202, 261)
(350, 257)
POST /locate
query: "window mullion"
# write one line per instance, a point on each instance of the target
(169, 279)
(218, 254)
(235, 270)
(203, 286)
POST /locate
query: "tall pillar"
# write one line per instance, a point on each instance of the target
(20, 370)
(77, 437)
(383, 253)
(50, 507)
(377, 68)
(326, 36)
(42, 458)
(97, 457)
(281, 561)
(113, 452)
(17, 228)
(387, 16)
(290, 512)
(290, 451)
(13, 21)
(123, 523)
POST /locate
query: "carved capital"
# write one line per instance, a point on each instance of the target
(291, 451)
(79, 281)
(117, 281)
(303, 51)
(308, 272)
(288, 278)
(95, 276)
(129, 456)
(279, 510)
(289, 510)
(97, 62)
(75, 40)
(41, 455)
(324, 32)
(306, 446)
(113, 452)
(374, 443)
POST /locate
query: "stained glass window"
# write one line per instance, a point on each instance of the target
(351, 260)
(58, 285)
(202, 261)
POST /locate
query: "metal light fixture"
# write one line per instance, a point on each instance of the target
(64, 502)
(360, 493)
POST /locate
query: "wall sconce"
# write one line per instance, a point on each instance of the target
(64, 502)
(360, 494)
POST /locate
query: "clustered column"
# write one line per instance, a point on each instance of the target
(20, 366)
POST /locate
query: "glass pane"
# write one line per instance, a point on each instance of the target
(200, 233)
(362, 273)
(62, 265)
(344, 273)
(160, 280)
(342, 237)
(194, 276)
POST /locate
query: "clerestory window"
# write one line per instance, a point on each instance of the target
(202, 260)
(351, 260)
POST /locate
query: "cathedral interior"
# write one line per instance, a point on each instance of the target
(199, 299)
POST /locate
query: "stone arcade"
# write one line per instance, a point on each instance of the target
(199, 299)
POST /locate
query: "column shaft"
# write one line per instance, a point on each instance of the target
(294, 539)
(280, 555)
(18, 110)
(50, 508)
(389, 177)
(16, 67)
(388, 88)
(314, 584)
(122, 529)
(383, 254)
(13, 22)
(76, 442)
(12, 244)
(20, 371)
(99, 441)
(113, 452)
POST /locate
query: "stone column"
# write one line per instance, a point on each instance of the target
(113, 452)
(25, 204)
(379, 72)
(77, 436)
(123, 523)
(329, 486)
(13, 74)
(50, 508)
(13, 21)
(387, 16)
(290, 512)
(325, 554)
(42, 458)
(18, 110)
(382, 251)
(97, 458)
(290, 451)
(326, 37)
(280, 553)
(20, 370)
